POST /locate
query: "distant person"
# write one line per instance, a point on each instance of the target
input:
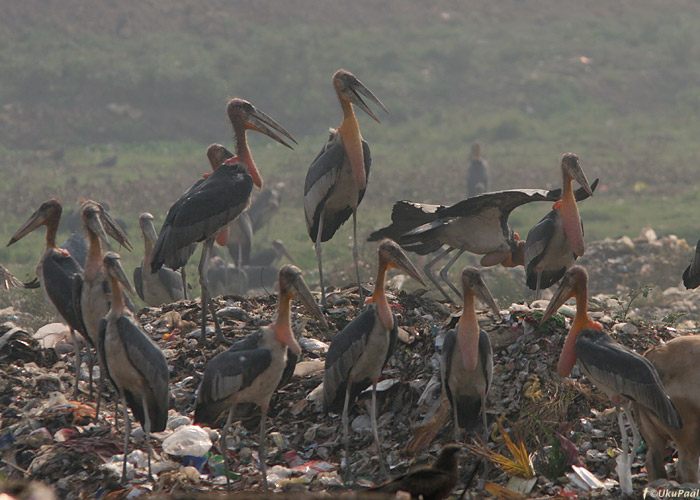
(477, 172)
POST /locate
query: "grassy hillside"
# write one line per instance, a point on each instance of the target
(148, 80)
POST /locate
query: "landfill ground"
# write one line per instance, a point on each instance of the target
(45, 435)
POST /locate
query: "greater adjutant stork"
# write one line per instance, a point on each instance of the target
(549, 247)
(359, 352)
(477, 172)
(134, 363)
(213, 202)
(60, 275)
(478, 224)
(94, 290)
(467, 357)
(165, 286)
(619, 372)
(251, 369)
(336, 181)
(691, 275)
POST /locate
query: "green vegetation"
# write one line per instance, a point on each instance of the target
(617, 84)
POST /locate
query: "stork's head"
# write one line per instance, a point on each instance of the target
(473, 284)
(113, 265)
(217, 154)
(245, 116)
(48, 213)
(574, 282)
(571, 167)
(90, 212)
(392, 255)
(349, 88)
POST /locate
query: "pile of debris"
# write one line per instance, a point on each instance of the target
(46, 436)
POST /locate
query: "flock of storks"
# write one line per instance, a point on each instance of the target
(85, 284)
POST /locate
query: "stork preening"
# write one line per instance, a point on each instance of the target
(679, 370)
(336, 181)
(134, 363)
(467, 357)
(60, 275)
(162, 287)
(212, 203)
(251, 369)
(358, 353)
(548, 248)
(619, 372)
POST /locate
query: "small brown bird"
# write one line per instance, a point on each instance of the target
(429, 483)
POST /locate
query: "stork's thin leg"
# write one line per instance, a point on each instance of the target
(455, 421)
(262, 451)
(346, 439)
(483, 418)
(428, 268)
(539, 282)
(91, 366)
(184, 281)
(223, 447)
(624, 472)
(100, 390)
(147, 430)
(317, 246)
(206, 297)
(636, 437)
(373, 419)
(356, 253)
(445, 277)
(78, 361)
(127, 434)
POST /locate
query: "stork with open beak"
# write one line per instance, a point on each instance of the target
(549, 247)
(358, 353)
(619, 372)
(60, 275)
(677, 364)
(337, 179)
(94, 290)
(134, 363)
(251, 369)
(212, 203)
(163, 287)
(467, 357)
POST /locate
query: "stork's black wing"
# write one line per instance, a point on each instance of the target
(201, 212)
(628, 373)
(138, 281)
(60, 273)
(691, 275)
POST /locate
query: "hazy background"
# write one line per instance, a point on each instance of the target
(145, 83)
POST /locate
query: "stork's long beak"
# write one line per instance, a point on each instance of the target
(259, 121)
(147, 227)
(36, 220)
(572, 165)
(93, 223)
(397, 258)
(112, 227)
(483, 293)
(294, 281)
(563, 293)
(113, 265)
(353, 90)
